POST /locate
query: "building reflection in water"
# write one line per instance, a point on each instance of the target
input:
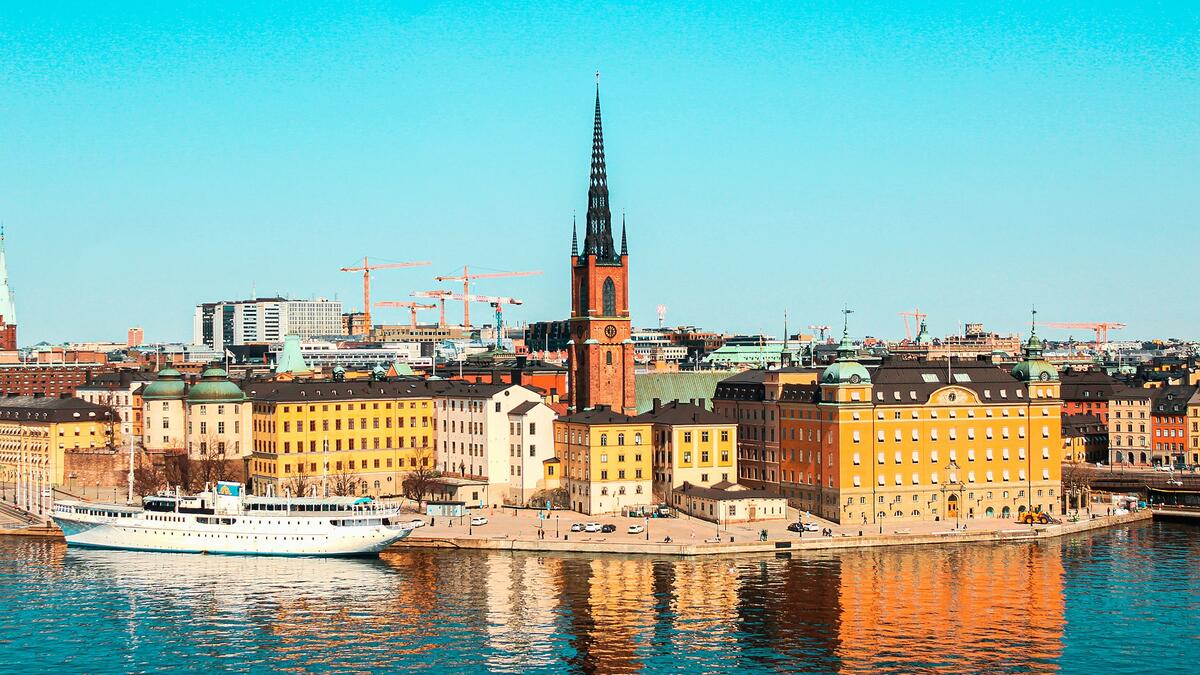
(968, 608)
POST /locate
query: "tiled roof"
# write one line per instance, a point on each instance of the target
(50, 409)
(599, 415)
(675, 387)
(727, 494)
(680, 413)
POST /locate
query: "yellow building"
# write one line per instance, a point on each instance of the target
(692, 445)
(36, 435)
(922, 440)
(606, 460)
(339, 437)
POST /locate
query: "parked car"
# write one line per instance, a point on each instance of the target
(803, 527)
(1162, 467)
(636, 529)
(415, 523)
(591, 527)
(479, 520)
(811, 527)
(795, 527)
(577, 527)
(608, 528)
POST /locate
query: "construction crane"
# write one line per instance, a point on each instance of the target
(366, 268)
(496, 302)
(466, 277)
(440, 295)
(823, 330)
(918, 317)
(662, 314)
(1100, 328)
(411, 306)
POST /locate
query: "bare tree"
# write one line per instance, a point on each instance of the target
(418, 483)
(299, 485)
(1076, 484)
(148, 479)
(211, 464)
(344, 482)
(177, 472)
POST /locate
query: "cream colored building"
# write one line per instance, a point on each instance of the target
(209, 419)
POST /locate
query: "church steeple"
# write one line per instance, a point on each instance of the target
(624, 243)
(574, 237)
(598, 239)
(8, 309)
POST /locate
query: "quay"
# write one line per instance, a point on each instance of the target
(775, 543)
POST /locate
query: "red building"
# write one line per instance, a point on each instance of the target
(1168, 417)
(44, 379)
(600, 351)
(1087, 393)
(548, 378)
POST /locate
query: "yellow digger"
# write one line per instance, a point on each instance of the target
(1035, 518)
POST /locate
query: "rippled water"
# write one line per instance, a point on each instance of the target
(1122, 600)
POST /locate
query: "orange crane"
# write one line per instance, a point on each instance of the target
(917, 316)
(366, 268)
(440, 295)
(466, 277)
(411, 306)
(1101, 328)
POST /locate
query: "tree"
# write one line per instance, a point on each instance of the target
(177, 472)
(1076, 484)
(344, 483)
(148, 479)
(299, 485)
(211, 465)
(418, 483)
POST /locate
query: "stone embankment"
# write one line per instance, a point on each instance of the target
(1016, 533)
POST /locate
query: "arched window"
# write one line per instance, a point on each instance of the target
(603, 439)
(610, 297)
(637, 438)
(620, 439)
(608, 358)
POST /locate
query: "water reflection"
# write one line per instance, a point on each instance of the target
(981, 608)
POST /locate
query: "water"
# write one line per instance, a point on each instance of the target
(1121, 600)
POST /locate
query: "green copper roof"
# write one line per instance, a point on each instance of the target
(846, 372)
(214, 387)
(290, 358)
(675, 387)
(169, 385)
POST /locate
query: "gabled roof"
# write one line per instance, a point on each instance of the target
(525, 407)
(1088, 385)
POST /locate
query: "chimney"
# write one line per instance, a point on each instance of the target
(521, 361)
(495, 376)
(656, 404)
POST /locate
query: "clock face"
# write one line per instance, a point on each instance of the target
(1045, 376)
(855, 379)
(610, 331)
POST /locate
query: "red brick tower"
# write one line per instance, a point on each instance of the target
(600, 349)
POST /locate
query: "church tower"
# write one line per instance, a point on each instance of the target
(600, 349)
(8, 307)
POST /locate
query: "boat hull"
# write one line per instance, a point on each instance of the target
(256, 537)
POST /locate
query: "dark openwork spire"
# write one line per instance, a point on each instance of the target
(598, 239)
(574, 237)
(624, 243)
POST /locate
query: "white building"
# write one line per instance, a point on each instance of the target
(116, 390)
(481, 430)
(323, 353)
(264, 320)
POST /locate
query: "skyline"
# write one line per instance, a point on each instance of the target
(227, 151)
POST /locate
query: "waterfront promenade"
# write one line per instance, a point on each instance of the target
(518, 530)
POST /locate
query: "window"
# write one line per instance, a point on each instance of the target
(609, 294)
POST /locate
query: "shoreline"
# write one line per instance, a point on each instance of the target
(1017, 533)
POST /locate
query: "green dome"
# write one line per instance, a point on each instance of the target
(846, 372)
(169, 385)
(214, 387)
(1032, 370)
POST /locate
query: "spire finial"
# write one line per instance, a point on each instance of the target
(1033, 321)
(574, 236)
(845, 347)
(624, 243)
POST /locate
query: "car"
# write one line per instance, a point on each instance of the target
(591, 527)
(636, 529)
(577, 527)
(795, 527)
(479, 520)
(415, 523)
(811, 527)
(608, 528)
(1162, 467)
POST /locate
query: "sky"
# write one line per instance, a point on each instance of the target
(970, 161)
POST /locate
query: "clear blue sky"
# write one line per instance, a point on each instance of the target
(965, 160)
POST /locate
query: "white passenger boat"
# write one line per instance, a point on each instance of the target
(226, 520)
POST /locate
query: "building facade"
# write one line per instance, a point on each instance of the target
(606, 460)
(692, 446)
(263, 320)
(1168, 424)
(1087, 393)
(122, 392)
(1085, 439)
(329, 437)
(600, 351)
(1129, 430)
(209, 420)
(496, 434)
(37, 433)
(49, 380)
